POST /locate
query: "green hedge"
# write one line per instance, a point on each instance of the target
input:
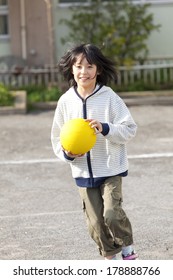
(44, 94)
(141, 86)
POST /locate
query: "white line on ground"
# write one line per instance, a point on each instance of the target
(154, 155)
(56, 160)
(41, 214)
(31, 161)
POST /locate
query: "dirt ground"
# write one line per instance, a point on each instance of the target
(40, 209)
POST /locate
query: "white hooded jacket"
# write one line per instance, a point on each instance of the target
(109, 156)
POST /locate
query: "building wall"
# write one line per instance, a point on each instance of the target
(36, 31)
(5, 47)
(60, 30)
(159, 43)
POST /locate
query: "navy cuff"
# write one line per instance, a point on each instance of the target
(67, 157)
(105, 130)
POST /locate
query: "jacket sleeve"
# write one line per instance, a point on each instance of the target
(122, 127)
(58, 122)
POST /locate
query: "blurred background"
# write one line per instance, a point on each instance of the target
(136, 34)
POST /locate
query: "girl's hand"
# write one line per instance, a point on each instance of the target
(95, 124)
(71, 155)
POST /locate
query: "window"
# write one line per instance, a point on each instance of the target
(4, 30)
(3, 2)
(3, 25)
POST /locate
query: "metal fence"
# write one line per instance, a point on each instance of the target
(148, 74)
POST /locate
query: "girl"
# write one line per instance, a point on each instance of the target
(98, 174)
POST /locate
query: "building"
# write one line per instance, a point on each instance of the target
(26, 32)
(30, 32)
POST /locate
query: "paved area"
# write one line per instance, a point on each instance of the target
(40, 208)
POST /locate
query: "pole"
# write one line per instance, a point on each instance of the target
(23, 29)
(51, 38)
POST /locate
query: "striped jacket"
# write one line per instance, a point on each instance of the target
(109, 156)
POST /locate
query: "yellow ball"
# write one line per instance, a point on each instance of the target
(77, 136)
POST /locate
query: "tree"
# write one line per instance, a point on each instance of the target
(119, 27)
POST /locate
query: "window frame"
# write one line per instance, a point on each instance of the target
(5, 12)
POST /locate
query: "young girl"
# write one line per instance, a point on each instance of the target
(98, 173)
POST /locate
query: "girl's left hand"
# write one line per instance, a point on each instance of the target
(95, 124)
(70, 154)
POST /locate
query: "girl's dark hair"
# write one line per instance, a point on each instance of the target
(105, 66)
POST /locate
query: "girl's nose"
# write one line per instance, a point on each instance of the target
(83, 70)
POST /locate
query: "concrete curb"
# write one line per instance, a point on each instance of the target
(151, 93)
(20, 104)
(162, 98)
(143, 101)
(45, 105)
(131, 99)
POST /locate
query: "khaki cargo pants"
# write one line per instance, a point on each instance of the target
(107, 222)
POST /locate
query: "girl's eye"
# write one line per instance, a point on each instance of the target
(80, 66)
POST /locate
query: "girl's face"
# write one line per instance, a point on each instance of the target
(85, 74)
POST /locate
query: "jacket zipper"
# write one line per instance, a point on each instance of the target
(84, 101)
(88, 153)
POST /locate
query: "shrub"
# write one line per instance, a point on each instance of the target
(41, 93)
(6, 98)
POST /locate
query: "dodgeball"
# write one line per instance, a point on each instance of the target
(77, 136)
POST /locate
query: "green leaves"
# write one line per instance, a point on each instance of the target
(121, 28)
(6, 98)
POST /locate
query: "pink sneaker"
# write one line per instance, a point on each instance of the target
(132, 256)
